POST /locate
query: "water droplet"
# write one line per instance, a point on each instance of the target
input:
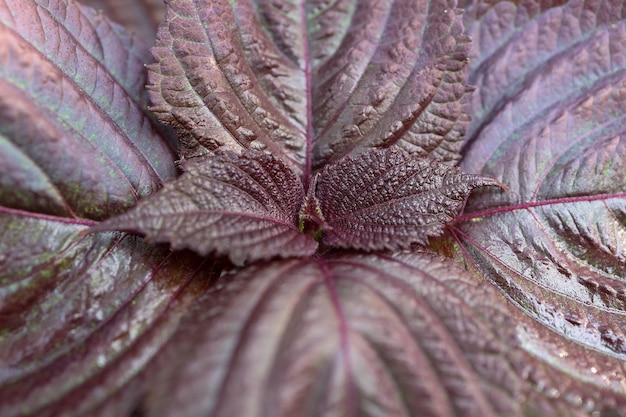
(552, 393)
(574, 399)
(378, 97)
(573, 319)
(351, 131)
(258, 145)
(102, 361)
(396, 126)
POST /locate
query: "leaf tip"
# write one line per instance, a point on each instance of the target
(491, 182)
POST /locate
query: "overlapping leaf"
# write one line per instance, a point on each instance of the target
(244, 206)
(82, 315)
(388, 199)
(397, 77)
(141, 17)
(412, 335)
(74, 137)
(552, 127)
(226, 83)
(283, 76)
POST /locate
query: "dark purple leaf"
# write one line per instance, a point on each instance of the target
(395, 74)
(83, 315)
(75, 139)
(366, 335)
(569, 379)
(281, 76)
(243, 206)
(141, 17)
(389, 199)
(101, 324)
(226, 83)
(552, 127)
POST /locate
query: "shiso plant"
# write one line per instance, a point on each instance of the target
(268, 213)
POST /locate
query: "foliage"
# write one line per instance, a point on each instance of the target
(310, 246)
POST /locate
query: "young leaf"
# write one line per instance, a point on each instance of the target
(284, 76)
(411, 335)
(74, 137)
(83, 315)
(389, 199)
(244, 206)
(553, 129)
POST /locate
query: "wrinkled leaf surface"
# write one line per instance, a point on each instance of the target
(83, 315)
(389, 199)
(103, 324)
(552, 128)
(75, 139)
(311, 81)
(243, 206)
(370, 335)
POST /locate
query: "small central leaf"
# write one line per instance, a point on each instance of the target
(243, 206)
(311, 219)
(388, 199)
(310, 85)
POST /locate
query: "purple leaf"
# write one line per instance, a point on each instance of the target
(410, 335)
(227, 83)
(397, 77)
(141, 17)
(289, 78)
(75, 139)
(101, 324)
(553, 129)
(243, 206)
(83, 315)
(389, 199)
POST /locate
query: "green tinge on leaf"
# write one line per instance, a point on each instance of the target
(75, 110)
(82, 316)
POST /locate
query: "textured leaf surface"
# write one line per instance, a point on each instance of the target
(553, 130)
(355, 335)
(389, 199)
(103, 324)
(75, 139)
(83, 315)
(141, 17)
(282, 75)
(244, 206)
(398, 76)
